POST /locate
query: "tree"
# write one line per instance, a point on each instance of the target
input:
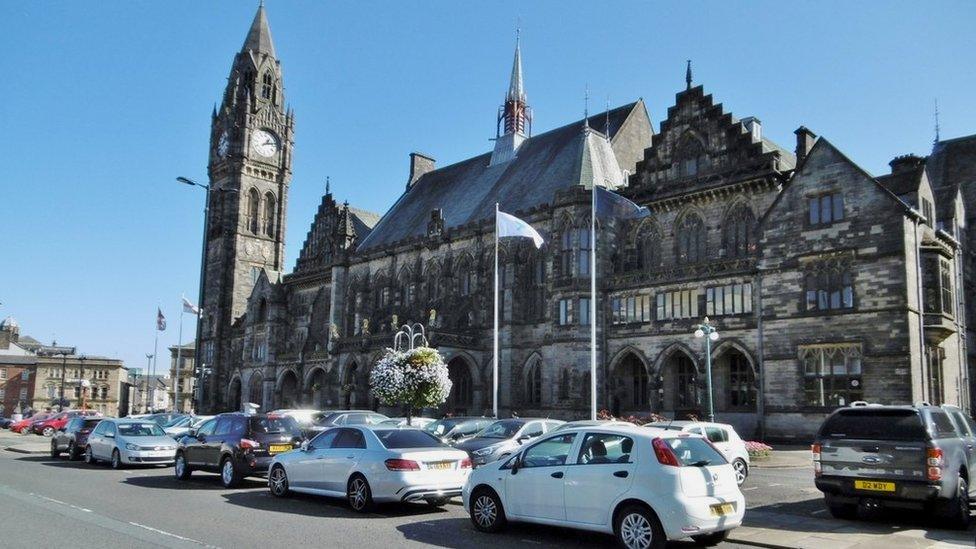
(416, 378)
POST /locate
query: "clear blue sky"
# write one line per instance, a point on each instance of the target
(103, 103)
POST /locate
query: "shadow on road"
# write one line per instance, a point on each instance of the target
(53, 462)
(197, 482)
(318, 506)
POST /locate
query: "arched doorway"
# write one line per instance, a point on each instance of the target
(681, 394)
(255, 392)
(349, 391)
(461, 399)
(317, 388)
(631, 386)
(288, 392)
(235, 394)
(734, 382)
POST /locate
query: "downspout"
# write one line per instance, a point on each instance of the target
(960, 313)
(921, 321)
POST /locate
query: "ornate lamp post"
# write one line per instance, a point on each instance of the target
(82, 382)
(710, 334)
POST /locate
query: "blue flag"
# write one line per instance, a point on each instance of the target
(611, 205)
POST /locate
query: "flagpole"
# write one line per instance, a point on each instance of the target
(494, 365)
(593, 302)
(179, 354)
(152, 391)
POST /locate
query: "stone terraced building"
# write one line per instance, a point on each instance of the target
(828, 285)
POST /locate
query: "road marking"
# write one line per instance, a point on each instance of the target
(818, 511)
(59, 502)
(163, 532)
(750, 488)
(771, 485)
(428, 524)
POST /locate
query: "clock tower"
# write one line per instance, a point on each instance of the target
(250, 169)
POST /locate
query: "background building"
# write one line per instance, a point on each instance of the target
(187, 381)
(17, 368)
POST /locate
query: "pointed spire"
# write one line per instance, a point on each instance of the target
(328, 191)
(688, 76)
(259, 36)
(586, 107)
(936, 119)
(516, 90)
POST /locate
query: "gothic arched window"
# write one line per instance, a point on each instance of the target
(690, 238)
(466, 278)
(566, 252)
(647, 248)
(253, 201)
(533, 383)
(433, 280)
(267, 85)
(737, 236)
(690, 157)
(269, 214)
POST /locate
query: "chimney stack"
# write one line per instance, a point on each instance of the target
(420, 164)
(804, 142)
(754, 126)
(906, 163)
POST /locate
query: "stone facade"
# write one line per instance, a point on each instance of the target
(187, 381)
(827, 285)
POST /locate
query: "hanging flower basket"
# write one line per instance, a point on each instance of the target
(415, 378)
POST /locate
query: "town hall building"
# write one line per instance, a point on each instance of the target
(827, 285)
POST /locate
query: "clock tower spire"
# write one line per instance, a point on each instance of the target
(251, 143)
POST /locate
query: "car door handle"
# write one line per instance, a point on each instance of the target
(621, 474)
(558, 474)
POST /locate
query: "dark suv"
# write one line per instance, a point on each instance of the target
(871, 457)
(236, 445)
(73, 436)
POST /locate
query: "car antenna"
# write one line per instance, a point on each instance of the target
(668, 428)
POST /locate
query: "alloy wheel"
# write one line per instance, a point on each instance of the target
(48, 431)
(485, 511)
(227, 472)
(116, 460)
(180, 466)
(278, 481)
(357, 494)
(740, 471)
(72, 450)
(636, 531)
(89, 458)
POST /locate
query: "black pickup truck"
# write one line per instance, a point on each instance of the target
(870, 457)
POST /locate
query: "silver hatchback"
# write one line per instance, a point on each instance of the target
(130, 442)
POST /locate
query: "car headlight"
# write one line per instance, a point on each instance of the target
(483, 451)
(130, 446)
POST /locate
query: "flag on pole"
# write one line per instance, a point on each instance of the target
(509, 225)
(160, 320)
(190, 308)
(612, 205)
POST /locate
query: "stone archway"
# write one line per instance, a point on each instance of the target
(316, 388)
(255, 389)
(461, 400)
(734, 386)
(631, 385)
(235, 393)
(288, 390)
(680, 381)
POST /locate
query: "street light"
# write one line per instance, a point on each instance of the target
(145, 383)
(82, 381)
(203, 278)
(710, 334)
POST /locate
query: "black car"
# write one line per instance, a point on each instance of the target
(236, 445)
(73, 436)
(5, 422)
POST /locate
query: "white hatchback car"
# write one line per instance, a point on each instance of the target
(129, 442)
(645, 486)
(722, 436)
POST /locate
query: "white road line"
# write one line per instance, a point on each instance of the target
(165, 533)
(771, 485)
(750, 488)
(428, 524)
(818, 511)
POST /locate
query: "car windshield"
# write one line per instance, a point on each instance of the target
(140, 430)
(276, 424)
(407, 438)
(695, 452)
(441, 426)
(875, 424)
(199, 421)
(179, 422)
(505, 428)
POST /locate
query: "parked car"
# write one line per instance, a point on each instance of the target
(24, 425)
(367, 465)
(592, 423)
(183, 425)
(129, 442)
(644, 486)
(236, 445)
(5, 422)
(723, 436)
(453, 429)
(415, 422)
(869, 457)
(49, 426)
(504, 437)
(73, 437)
(163, 418)
(347, 417)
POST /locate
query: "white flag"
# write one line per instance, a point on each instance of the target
(190, 308)
(509, 225)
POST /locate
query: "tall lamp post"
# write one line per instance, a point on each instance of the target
(82, 382)
(145, 382)
(710, 334)
(63, 352)
(198, 347)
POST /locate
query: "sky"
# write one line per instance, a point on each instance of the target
(103, 104)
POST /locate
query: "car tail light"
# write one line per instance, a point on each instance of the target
(934, 463)
(816, 459)
(466, 463)
(402, 465)
(665, 455)
(248, 444)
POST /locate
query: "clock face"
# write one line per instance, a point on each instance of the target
(264, 143)
(223, 145)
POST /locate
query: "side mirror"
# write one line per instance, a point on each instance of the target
(516, 464)
(305, 447)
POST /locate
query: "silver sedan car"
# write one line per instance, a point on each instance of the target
(129, 441)
(369, 465)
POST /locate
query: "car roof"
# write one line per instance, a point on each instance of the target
(628, 429)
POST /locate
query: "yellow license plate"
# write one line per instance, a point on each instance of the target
(874, 485)
(722, 509)
(441, 465)
(279, 448)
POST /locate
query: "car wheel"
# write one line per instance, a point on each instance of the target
(229, 475)
(54, 450)
(116, 459)
(48, 431)
(89, 456)
(487, 513)
(180, 468)
(711, 540)
(278, 481)
(359, 495)
(636, 527)
(955, 511)
(72, 451)
(437, 502)
(741, 471)
(843, 511)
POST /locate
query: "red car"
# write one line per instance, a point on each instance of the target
(48, 426)
(24, 424)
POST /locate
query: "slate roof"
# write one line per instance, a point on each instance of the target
(951, 166)
(259, 36)
(902, 183)
(363, 221)
(467, 191)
